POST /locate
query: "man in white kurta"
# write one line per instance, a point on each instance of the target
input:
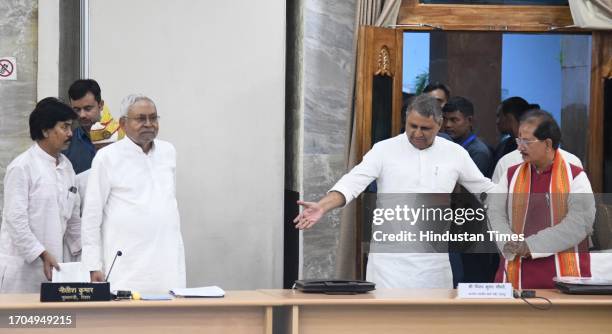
(41, 203)
(413, 162)
(130, 206)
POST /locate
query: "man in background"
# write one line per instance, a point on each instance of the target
(509, 112)
(470, 264)
(439, 91)
(86, 101)
(458, 115)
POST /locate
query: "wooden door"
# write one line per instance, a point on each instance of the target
(378, 106)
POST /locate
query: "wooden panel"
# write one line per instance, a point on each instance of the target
(439, 311)
(237, 312)
(601, 68)
(470, 64)
(232, 298)
(432, 297)
(371, 41)
(156, 320)
(485, 17)
(453, 319)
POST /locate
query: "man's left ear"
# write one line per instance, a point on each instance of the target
(549, 145)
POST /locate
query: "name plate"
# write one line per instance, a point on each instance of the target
(484, 291)
(75, 292)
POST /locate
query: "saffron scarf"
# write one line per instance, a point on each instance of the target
(566, 262)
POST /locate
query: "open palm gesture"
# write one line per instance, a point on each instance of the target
(310, 215)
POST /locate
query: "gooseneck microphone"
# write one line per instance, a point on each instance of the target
(119, 253)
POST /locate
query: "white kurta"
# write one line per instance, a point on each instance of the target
(131, 206)
(515, 158)
(399, 167)
(40, 213)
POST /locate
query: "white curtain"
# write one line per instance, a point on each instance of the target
(592, 14)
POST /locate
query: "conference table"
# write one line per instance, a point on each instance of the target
(238, 312)
(439, 311)
(293, 312)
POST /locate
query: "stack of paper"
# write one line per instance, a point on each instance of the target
(205, 291)
(70, 272)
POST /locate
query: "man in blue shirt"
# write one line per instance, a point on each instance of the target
(86, 101)
(469, 263)
(458, 115)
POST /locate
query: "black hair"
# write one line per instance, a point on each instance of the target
(461, 104)
(533, 106)
(516, 106)
(81, 87)
(437, 85)
(547, 127)
(47, 113)
(425, 106)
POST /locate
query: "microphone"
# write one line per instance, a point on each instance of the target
(119, 253)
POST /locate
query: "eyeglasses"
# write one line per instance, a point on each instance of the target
(525, 142)
(142, 119)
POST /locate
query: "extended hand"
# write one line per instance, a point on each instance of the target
(49, 263)
(310, 215)
(523, 249)
(96, 276)
(519, 248)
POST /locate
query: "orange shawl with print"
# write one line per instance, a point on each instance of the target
(567, 261)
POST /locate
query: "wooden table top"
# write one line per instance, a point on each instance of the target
(231, 299)
(293, 297)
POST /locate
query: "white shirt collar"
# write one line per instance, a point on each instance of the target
(412, 147)
(131, 145)
(42, 154)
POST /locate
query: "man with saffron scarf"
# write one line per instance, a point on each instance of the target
(550, 202)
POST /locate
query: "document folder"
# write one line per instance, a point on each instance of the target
(583, 286)
(334, 286)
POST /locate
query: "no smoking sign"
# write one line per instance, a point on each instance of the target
(8, 68)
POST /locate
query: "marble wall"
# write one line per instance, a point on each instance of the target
(328, 71)
(18, 38)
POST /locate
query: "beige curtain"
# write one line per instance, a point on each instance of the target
(592, 14)
(381, 14)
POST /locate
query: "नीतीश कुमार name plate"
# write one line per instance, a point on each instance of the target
(484, 291)
(74, 292)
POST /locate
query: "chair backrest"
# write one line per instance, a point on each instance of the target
(602, 228)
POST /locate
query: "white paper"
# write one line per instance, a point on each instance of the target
(205, 291)
(155, 297)
(70, 272)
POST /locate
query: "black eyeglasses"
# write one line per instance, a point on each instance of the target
(142, 119)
